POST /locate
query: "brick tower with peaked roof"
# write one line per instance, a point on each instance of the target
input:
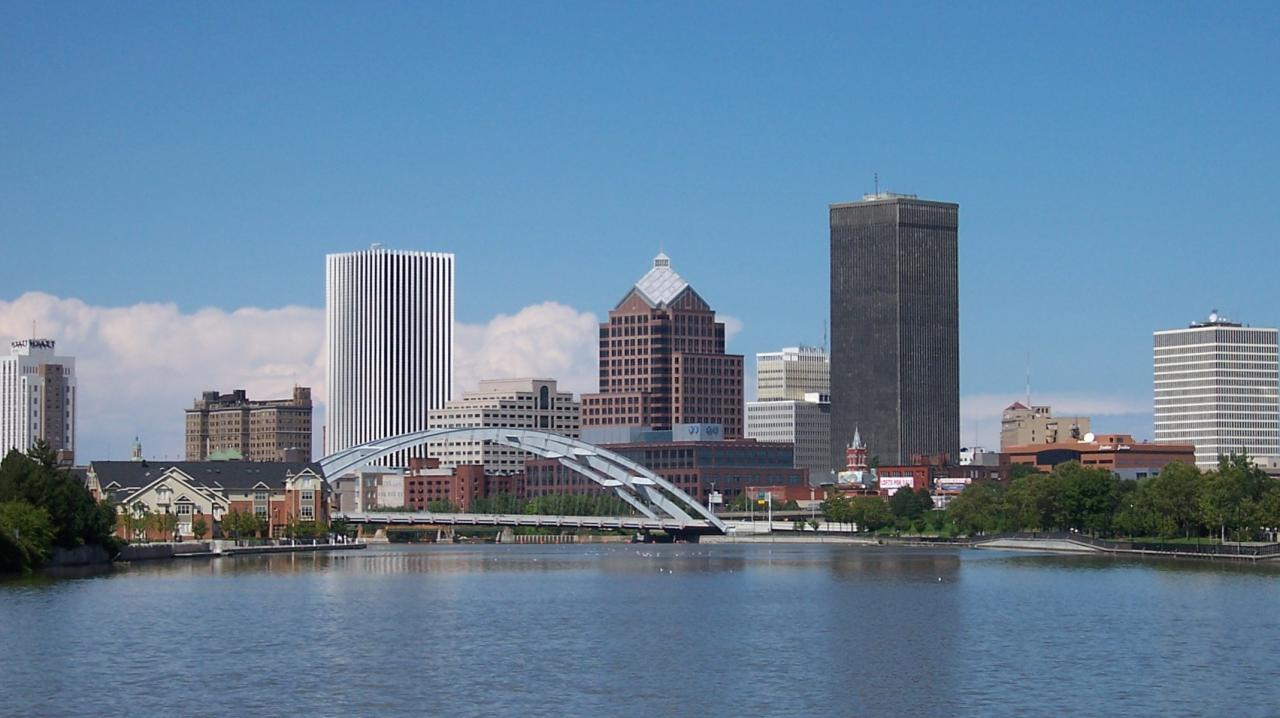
(663, 360)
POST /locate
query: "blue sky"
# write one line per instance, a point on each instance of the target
(1115, 164)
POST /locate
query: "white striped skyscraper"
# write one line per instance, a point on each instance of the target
(388, 343)
(1216, 387)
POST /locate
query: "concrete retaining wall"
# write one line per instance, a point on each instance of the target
(1019, 544)
(78, 556)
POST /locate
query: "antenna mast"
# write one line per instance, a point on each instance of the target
(1028, 380)
(877, 176)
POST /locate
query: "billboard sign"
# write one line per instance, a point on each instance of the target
(891, 484)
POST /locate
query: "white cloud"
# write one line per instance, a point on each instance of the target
(732, 325)
(546, 341)
(140, 366)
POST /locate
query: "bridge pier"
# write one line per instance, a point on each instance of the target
(506, 535)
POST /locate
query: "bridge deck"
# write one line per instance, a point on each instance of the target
(607, 523)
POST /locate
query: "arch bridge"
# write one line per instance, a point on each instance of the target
(657, 501)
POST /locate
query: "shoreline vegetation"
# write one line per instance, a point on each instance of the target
(44, 508)
(1236, 502)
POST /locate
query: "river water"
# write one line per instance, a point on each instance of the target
(625, 630)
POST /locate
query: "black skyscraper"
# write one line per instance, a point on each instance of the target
(895, 336)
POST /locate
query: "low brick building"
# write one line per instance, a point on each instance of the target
(426, 482)
(1127, 458)
(692, 466)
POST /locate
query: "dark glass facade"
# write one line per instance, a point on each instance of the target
(895, 336)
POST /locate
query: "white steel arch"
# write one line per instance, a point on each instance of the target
(644, 490)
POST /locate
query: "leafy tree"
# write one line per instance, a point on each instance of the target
(342, 528)
(199, 527)
(981, 508)
(164, 524)
(870, 513)
(1269, 510)
(26, 536)
(36, 479)
(1088, 497)
(442, 506)
(905, 505)
(1171, 499)
(241, 524)
(837, 508)
(1017, 471)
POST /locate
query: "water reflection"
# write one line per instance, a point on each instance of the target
(644, 630)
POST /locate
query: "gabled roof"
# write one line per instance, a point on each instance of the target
(235, 475)
(169, 474)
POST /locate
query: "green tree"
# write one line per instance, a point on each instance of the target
(1088, 498)
(1269, 511)
(1018, 471)
(36, 479)
(1173, 497)
(441, 506)
(980, 508)
(905, 505)
(167, 525)
(240, 524)
(26, 536)
(199, 527)
(837, 508)
(870, 513)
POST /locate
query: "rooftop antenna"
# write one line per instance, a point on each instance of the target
(1028, 380)
(824, 336)
(877, 176)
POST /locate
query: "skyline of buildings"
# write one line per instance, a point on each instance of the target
(38, 398)
(895, 324)
(389, 318)
(1215, 386)
(236, 427)
(371, 297)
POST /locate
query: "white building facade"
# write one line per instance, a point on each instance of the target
(389, 319)
(37, 398)
(509, 404)
(1216, 387)
(792, 373)
(793, 406)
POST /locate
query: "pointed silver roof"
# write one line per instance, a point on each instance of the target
(661, 285)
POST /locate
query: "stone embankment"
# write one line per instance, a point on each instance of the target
(215, 549)
(1080, 543)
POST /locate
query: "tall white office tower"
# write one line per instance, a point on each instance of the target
(37, 399)
(389, 345)
(1216, 388)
